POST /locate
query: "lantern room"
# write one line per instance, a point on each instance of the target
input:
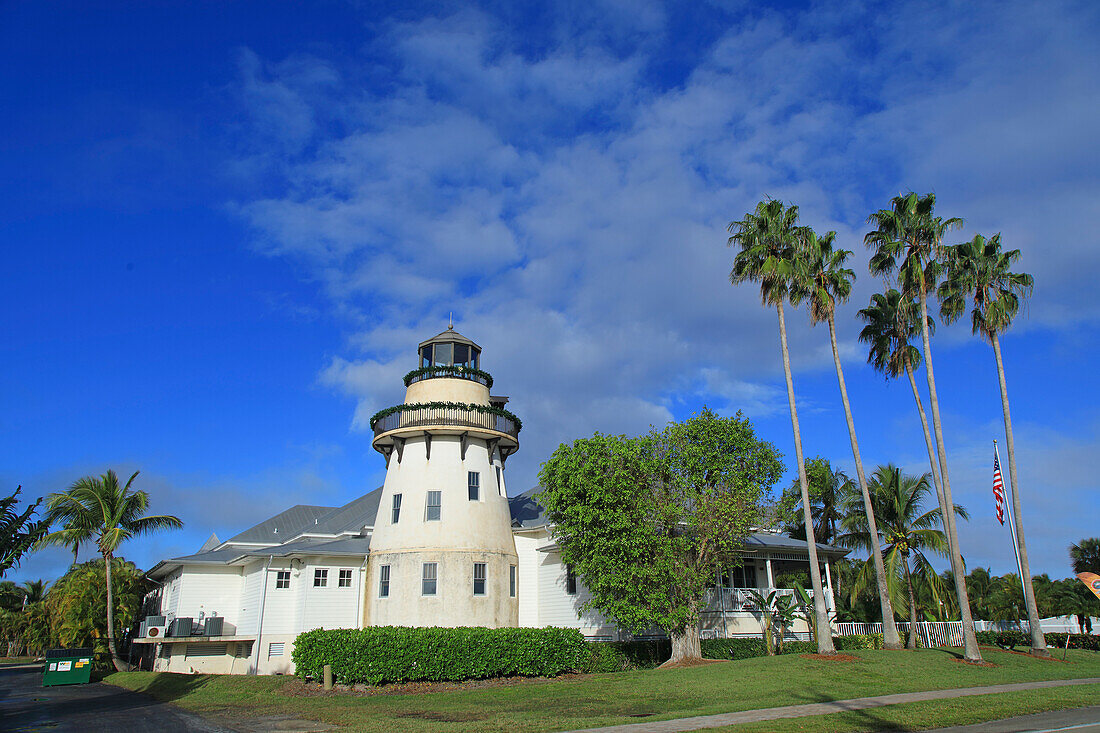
(450, 348)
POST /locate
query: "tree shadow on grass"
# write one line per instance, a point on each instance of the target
(872, 720)
(167, 686)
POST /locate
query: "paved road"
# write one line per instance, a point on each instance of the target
(701, 722)
(26, 706)
(1078, 720)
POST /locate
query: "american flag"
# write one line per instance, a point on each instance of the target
(998, 489)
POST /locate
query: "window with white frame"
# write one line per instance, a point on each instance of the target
(320, 578)
(384, 581)
(433, 510)
(473, 485)
(428, 579)
(570, 581)
(282, 579)
(345, 577)
(512, 580)
(396, 513)
(479, 578)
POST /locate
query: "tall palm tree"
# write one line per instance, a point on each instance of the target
(827, 282)
(771, 255)
(908, 531)
(908, 239)
(1086, 555)
(99, 508)
(981, 270)
(891, 323)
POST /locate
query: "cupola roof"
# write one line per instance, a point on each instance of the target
(450, 336)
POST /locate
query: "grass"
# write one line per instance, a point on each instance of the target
(606, 699)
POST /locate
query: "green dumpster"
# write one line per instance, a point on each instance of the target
(67, 667)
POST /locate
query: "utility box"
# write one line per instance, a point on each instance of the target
(67, 667)
(181, 626)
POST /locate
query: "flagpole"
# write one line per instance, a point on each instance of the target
(1012, 527)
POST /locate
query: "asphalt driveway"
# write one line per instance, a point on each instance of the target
(26, 706)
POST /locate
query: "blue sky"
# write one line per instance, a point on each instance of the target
(226, 225)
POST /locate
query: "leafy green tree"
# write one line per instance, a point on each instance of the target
(18, 531)
(34, 591)
(77, 606)
(981, 271)
(908, 241)
(908, 532)
(980, 584)
(828, 281)
(647, 522)
(1072, 598)
(99, 508)
(1085, 555)
(772, 254)
(765, 606)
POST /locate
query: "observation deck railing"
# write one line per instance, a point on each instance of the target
(452, 372)
(471, 416)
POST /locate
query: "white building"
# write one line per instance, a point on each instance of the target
(439, 544)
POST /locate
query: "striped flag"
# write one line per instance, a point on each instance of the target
(998, 489)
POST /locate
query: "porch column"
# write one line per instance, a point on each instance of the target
(771, 580)
(829, 585)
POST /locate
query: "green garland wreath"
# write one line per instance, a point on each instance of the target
(448, 371)
(500, 412)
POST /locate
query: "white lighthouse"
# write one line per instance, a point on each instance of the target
(442, 552)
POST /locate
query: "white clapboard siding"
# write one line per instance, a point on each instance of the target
(528, 578)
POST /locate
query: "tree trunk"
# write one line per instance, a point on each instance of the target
(970, 641)
(927, 441)
(912, 607)
(825, 639)
(890, 638)
(685, 645)
(1038, 641)
(120, 664)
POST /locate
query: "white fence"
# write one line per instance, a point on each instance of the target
(949, 633)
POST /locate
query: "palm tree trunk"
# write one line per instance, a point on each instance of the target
(890, 638)
(117, 660)
(927, 439)
(912, 607)
(824, 640)
(970, 641)
(1038, 641)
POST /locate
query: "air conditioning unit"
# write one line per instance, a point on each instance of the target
(213, 626)
(154, 627)
(181, 626)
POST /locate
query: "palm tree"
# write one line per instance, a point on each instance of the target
(981, 271)
(34, 591)
(766, 605)
(908, 239)
(771, 255)
(828, 488)
(908, 532)
(97, 507)
(827, 282)
(1086, 555)
(891, 323)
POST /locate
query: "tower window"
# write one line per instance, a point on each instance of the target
(320, 578)
(512, 581)
(500, 486)
(473, 485)
(479, 578)
(427, 582)
(383, 581)
(282, 579)
(570, 581)
(396, 508)
(426, 356)
(435, 499)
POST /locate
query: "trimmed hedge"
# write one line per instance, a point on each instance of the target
(381, 654)
(1013, 639)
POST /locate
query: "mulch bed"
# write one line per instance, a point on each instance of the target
(983, 663)
(831, 657)
(300, 688)
(1028, 654)
(690, 663)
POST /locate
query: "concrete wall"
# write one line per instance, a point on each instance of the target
(467, 532)
(443, 389)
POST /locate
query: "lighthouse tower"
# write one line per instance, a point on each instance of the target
(442, 552)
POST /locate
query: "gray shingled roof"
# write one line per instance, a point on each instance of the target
(352, 517)
(526, 512)
(289, 524)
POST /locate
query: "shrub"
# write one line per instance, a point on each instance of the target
(380, 654)
(858, 641)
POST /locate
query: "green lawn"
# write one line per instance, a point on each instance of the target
(605, 699)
